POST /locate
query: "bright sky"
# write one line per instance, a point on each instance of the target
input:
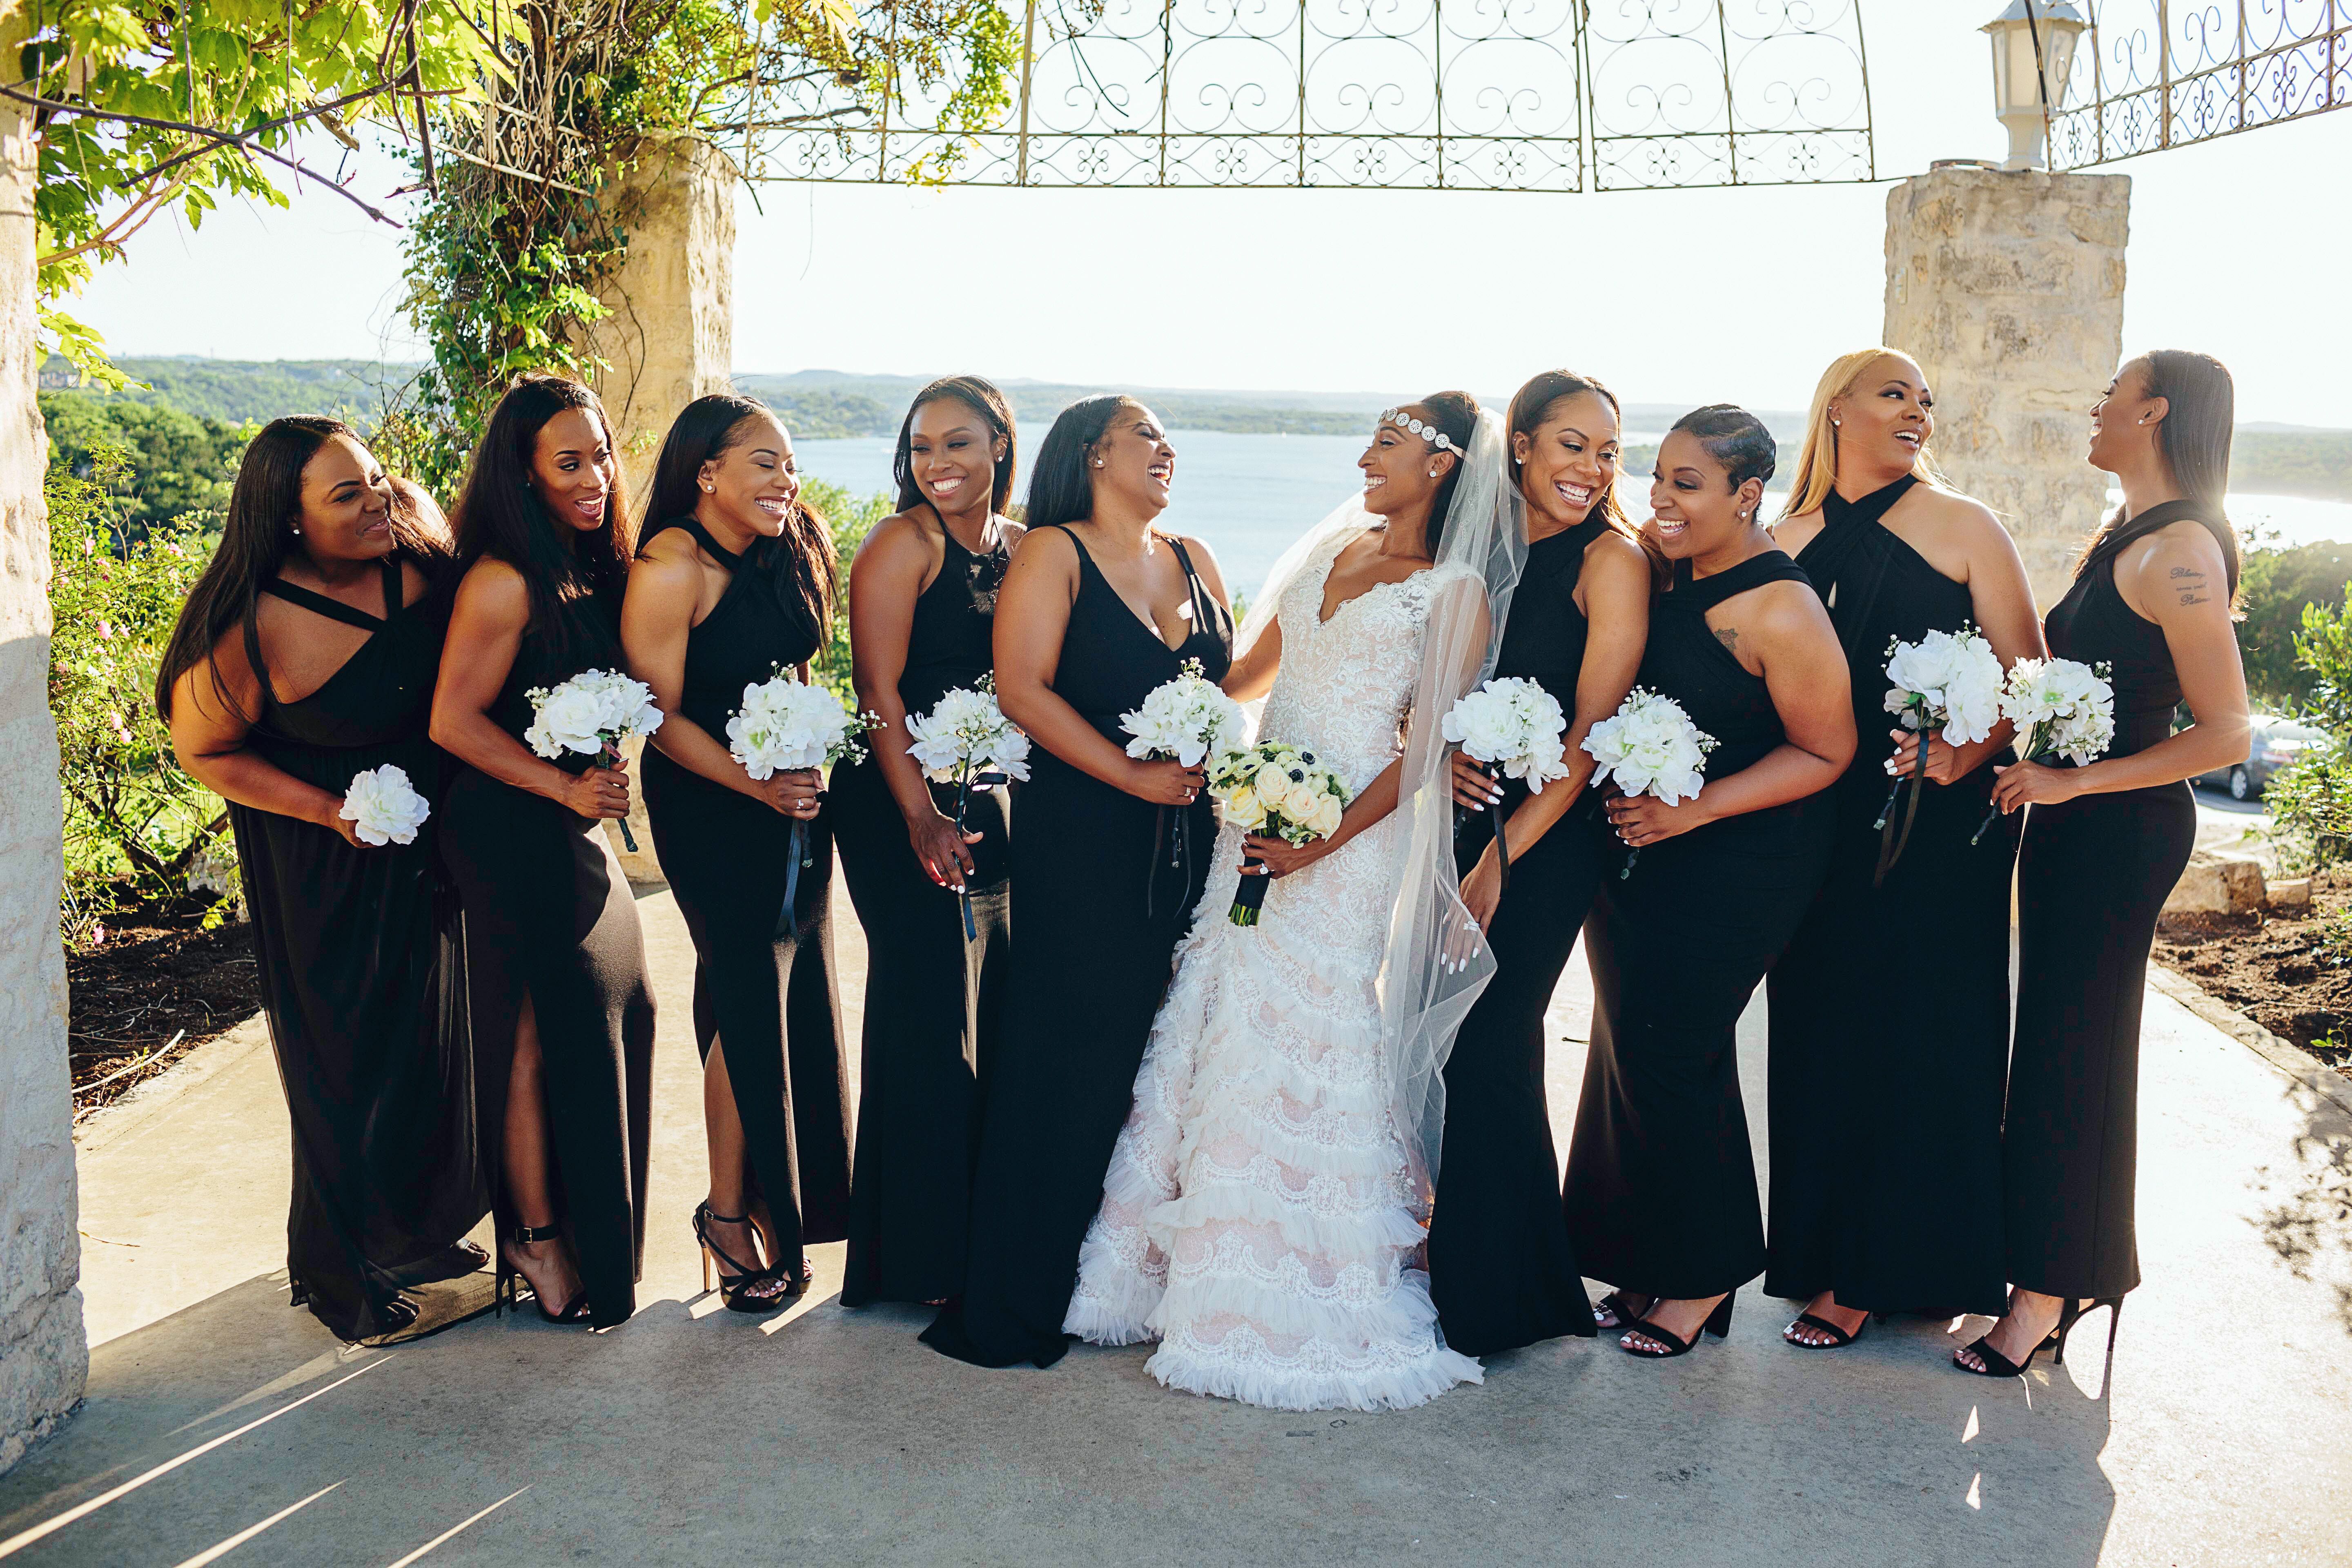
(1686, 296)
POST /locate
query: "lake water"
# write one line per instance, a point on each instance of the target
(1250, 496)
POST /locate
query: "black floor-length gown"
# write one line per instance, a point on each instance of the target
(934, 997)
(1890, 1008)
(1501, 1269)
(1661, 1192)
(361, 980)
(549, 918)
(764, 994)
(2091, 879)
(1100, 901)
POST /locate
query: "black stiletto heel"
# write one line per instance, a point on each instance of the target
(2073, 1313)
(511, 1281)
(748, 1288)
(1718, 1324)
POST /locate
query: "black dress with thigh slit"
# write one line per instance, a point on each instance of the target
(1101, 897)
(1890, 1008)
(2091, 880)
(1501, 1269)
(763, 985)
(361, 980)
(549, 918)
(1661, 1193)
(933, 994)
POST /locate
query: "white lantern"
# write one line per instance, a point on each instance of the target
(2019, 91)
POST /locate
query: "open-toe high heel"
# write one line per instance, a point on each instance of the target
(1838, 1338)
(1618, 1307)
(511, 1279)
(750, 1288)
(1718, 1324)
(2074, 1313)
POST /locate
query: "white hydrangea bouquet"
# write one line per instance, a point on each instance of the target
(2061, 707)
(786, 724)
(1187, 721)
(384, 806)
(1515, 724)
(1649, 746)
(1282, 792)
(591, 713)
(1947, 683)
(966, 741)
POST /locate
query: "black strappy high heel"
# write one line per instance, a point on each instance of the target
(2073, 1314)
(1999, 1366)
(748, 1288)
(1619, 1306)
(511, 1281)
(1838, 1338)
(1718, 1324)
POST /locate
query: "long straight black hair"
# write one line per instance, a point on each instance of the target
(499, 514)
(982, 398)
(1060, 487)
(797, 566)
(265, 506)
(2199, 423)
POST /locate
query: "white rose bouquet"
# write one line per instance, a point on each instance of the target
(384, 806)
(1187, 721)
(1280, 791)
(786, 724)
(591, 713)
(1515, 724)
(966, 741)
(1649, 746)
(2061, 707)
(1946, 682)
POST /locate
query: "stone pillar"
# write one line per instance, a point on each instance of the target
(44, 1359)
(2008, 288)
(670, 338)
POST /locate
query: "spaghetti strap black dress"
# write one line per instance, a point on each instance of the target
(1661, 1193)
(1883, 1109)
(363, 981)
(2091, 880)
(934, 996)
(1501, 1269)
(1103, 888)
(763, 987)
(549, 918)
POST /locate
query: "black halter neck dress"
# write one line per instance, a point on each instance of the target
(1501, 1269)
(1883, 1110)
(766, 997)
(362, 979)
(1099, 911)
(550, 917)
(1661, 1192)
(2091, 880)
(933, 996)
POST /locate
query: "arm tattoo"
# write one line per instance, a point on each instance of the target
(1729, 637)
(2187, 571)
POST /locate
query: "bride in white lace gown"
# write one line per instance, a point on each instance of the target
(1264, 1207)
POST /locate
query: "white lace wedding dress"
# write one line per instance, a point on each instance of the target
(1257, 1218)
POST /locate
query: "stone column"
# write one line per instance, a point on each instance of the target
(2008, 288)
(670, 338)
(44, 1359)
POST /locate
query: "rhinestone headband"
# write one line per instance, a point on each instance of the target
(1429, 432)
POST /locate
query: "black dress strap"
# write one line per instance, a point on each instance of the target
(1199, 592)
(335, 609)
(692, 526)
(1703, 593)
(2164, 514)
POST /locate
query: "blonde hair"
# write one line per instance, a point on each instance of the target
(1817, 466)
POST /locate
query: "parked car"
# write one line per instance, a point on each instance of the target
(2272, 745)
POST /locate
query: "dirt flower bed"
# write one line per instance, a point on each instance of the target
(2281, 972)
(153, 987)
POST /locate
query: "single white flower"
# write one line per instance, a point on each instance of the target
(384, 806)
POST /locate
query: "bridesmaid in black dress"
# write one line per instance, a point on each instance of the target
(1866, 1139)
(562, 1017)
(2104, 844)
(1500, 1266)
(923, 606)
(1098, 610)
(1661, 1193)
(734, 582)
(305, 655)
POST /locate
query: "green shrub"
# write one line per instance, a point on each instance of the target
(177, 463)
(851, 520)
(135, 821)
(2277, 586)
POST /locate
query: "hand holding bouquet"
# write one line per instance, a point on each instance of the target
(787, 725)
(1947, 683)
(966, 741)
(1282, 792)
(2061, 707)
(1186, 720)
(1649, 746)
(1515, 724)
(591, 713)
(384, 806)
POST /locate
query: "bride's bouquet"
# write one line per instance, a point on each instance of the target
(1515, 724)
(2061, 707)
(966, 741)
(1280, 791)
(1649, 746)
(1949, 683)
(384, 806)
(786, 724)
(1186, 720)
(591, 713)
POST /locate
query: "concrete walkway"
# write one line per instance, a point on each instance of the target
(217, 1417)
